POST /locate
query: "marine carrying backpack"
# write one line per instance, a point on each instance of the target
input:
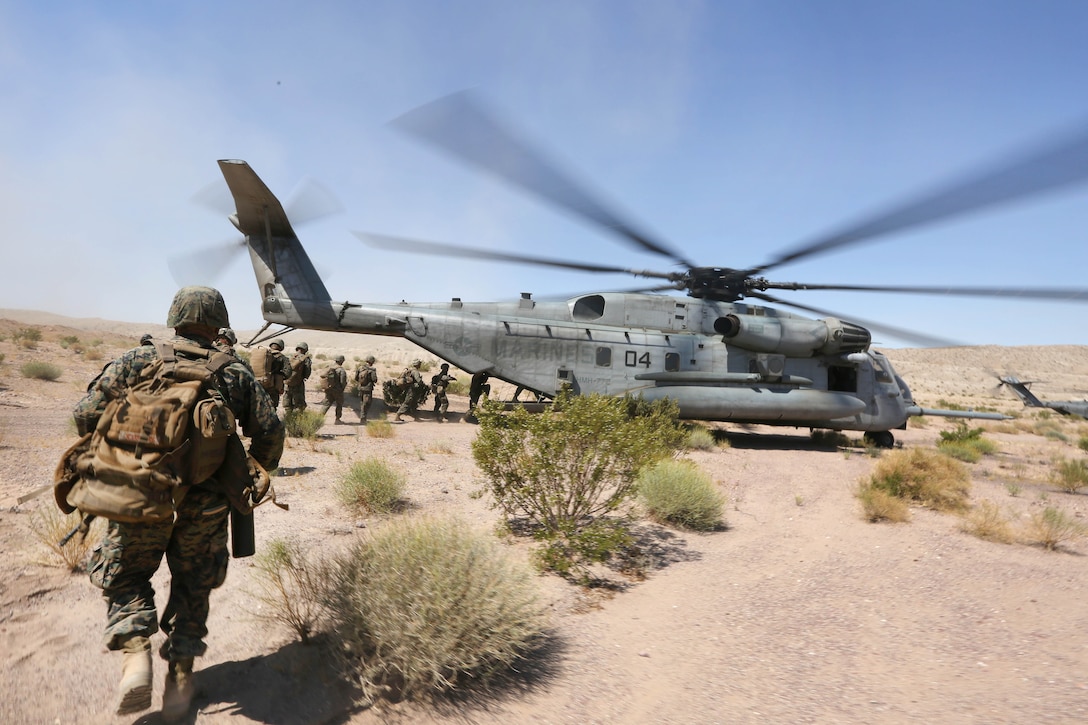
(169, 431)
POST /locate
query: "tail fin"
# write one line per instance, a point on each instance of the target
(292, 292)
(1020, 388)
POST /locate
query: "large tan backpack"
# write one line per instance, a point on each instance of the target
(169, 431)
(266, 370)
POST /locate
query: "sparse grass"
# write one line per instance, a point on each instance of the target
(1051, 527)
(1048, 427)
(678, 493)
(1083, 443)
(371, 485)
(48, 525)
(67, 341)
(987, 522)
(1070, 475)
(925, 477)
(457, 387)
(379, 429)
(700, 439)
(426, 605)
(965, 444)
(92, 354)
(1014, 488)
(303, 423)
(290, 586)
(38, 370)
(917, 421)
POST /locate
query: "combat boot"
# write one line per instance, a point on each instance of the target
(177, 697)
(134, 692)
(398, 419)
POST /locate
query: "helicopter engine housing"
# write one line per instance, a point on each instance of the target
(792, 335)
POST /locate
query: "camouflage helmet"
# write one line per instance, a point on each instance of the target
(369, 359)
(417, 363)
(302, 346)
(146, 340)
(198, 306)
(339, 359)
(445, 366)
(228, 335)
(277, 344)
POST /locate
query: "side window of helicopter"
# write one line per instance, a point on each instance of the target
(842, 378)
(590, 307)
(672, 362)
(604, 357)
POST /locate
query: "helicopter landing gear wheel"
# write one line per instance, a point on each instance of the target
(880, 438)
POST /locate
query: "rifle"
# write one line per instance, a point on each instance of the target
(81, 528)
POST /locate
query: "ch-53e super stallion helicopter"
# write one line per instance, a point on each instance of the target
(719, 358)
(1022, 390)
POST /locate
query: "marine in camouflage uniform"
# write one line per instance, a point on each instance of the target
(194, 542)
(281, 371)
(412, 380)
(224, 341)
(301, 366)
(439, 383)
(336, 381)
(367, 377)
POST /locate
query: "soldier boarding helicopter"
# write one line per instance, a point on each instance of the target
(719, 358)
(1022, 390)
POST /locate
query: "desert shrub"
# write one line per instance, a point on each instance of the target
(830, 438)
(48, 525)
(40, 370)
(1081, 444)
(303, 423)
(1048, 427)
(926, 477)
(700, 439)
(986, 522)
(965, 444)
(563, 468)
(457, 387)
(2, 356)
(879, 505)
(426, 366)
(1050, 527)
(290, 586)
(372, 485)
(27, 337)
(92, 354)
(379, 429)
(68, 340)
(678, 493)
(426, 605)
(321, 356)
(1069, 475)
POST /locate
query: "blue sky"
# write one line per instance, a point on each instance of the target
(733, 130)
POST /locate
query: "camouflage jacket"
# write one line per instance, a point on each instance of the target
(247, 399)
(336, 379)
(440, 382)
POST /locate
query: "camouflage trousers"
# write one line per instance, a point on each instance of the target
(295, 398)
(195, 545)
(366, 397)
(441, 403)
(333, 397)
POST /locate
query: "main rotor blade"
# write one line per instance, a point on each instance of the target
(1069, 294)
(902, 333)
(1043, 169)
(402, 244)
(459, 125)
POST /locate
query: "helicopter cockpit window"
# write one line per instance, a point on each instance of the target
(672, 362)
(881, 371)
(604, 357)
(590, 307)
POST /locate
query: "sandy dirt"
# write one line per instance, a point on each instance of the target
(798, 611)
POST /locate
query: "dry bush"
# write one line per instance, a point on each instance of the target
(38, 370)
(92, 354)
(379, 429)
(987, 522)
(371, 485)
(700, 439)
(1051, 527)
(291, 587)
(678, 493)
(427, 605)
(1070, 475)
(923, 476)
(303, 423)
(879, 505)
(48, 525)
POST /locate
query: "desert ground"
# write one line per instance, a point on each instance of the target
(796, 611)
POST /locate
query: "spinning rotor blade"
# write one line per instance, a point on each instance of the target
(459, 125)
(311, 201)
(1045, 169)
(204, 266)
(401, 244)
(902, 333)
(1070, 294)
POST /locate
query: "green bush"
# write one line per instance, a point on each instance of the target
(303, 423)
(562, 468)
(923, 476)
(427, 605)
(879, 505)
(1050, 527)
(40, 370)
(371, 485)
(379, 429)
(700, 439)
(68, 340)
(1072, 475)
(678, 493)
(965, 444)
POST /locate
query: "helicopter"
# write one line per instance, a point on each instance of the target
(717, 355)
(1022, 390)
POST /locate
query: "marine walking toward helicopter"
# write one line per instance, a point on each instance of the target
(366, 376)
(411, 381)
(439, 383)
(336, 381)
(301, 367)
